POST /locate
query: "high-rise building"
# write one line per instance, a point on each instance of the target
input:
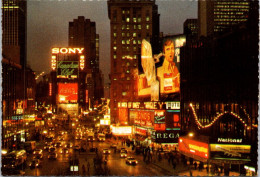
(14, 30)
(190, 28)
(130, 22)
(82, 33)
(18, 87)
(217, 16)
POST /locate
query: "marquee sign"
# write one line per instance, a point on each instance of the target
(167, 136)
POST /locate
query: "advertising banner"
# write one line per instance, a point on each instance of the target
(164, 78)
(123, 115)
(193, 148)
(67, 68)
(230, 151)
(67, 92)
(121, 130)
(159, 120)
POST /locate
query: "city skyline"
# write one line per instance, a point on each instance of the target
(53, 24)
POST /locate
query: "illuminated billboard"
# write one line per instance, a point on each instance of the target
(159, 120)
(121, 130)
(67, 92)
(230, 151)
(193, 148)
(67, 68)
(123, 115)
(164, 79)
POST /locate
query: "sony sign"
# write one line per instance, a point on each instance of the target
(65, 50)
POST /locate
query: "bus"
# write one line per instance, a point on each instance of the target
(14, 159)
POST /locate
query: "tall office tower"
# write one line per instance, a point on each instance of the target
(14, 31)
(130, 22)
(217, 16)
(82, 33)
(190, 28)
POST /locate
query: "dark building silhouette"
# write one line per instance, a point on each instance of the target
(82, 33)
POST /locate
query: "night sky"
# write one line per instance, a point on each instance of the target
(48, 20)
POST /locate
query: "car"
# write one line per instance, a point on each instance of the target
(68, 145)
(113, 145)
(131, 161)
(58, 144)
(64, 150)
(52, 149)
(37, 154)
(52, 155)
(47, 146)
(123, 153)
(106, 151)
(76, 148)
(35, 163)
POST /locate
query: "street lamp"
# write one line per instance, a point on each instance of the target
(191, 134)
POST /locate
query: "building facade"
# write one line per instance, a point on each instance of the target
(218, 16)
(18, 87)
(130, 22)
(219, 97)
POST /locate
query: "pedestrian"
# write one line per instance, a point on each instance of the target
(195, 165)
(83, 169)
(190, 173)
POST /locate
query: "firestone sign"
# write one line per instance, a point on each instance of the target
(65, 50)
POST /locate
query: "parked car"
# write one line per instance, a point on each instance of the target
(131, 161)
(37, 153)
(64, 150)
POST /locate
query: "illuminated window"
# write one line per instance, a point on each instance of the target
(128, 34)
(123, 41)
(134, 26)
(127, 71)
(139, 41)
(134, 34)
(115, 79)
(134, 19)
(127, 64)
(147, 27)
(127, 19)
(114, 34)
(114, 47)
(123, 11)
(123, 34)
(127, 41)
(139, 27)
(135, 56)
(147, 18)
(114, 56)
(139, 19)
(114, 41)
(114, 27)
(128, 49)
(127, 27)
(134, 48)
(134, 41)
(128, 78)
(123, 27)
(124, 93)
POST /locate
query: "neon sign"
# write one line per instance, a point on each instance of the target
(66, 50)
(67, 68)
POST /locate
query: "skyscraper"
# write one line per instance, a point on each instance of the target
(217, 16)
(190, 28)
(130, 22)
(82, 33)
(14, 31)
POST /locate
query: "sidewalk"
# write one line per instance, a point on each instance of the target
(180, 170)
